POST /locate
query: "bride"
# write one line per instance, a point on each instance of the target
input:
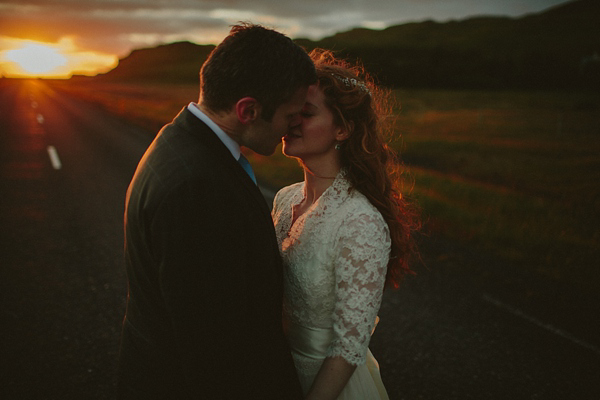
(345, 232)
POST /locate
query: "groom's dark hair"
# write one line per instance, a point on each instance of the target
(257, 62)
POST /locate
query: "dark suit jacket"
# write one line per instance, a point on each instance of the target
(203, 316)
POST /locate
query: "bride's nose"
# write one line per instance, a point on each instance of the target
(295, 121)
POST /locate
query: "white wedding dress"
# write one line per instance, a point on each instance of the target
(335, 258)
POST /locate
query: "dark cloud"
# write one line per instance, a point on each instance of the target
(119, 25)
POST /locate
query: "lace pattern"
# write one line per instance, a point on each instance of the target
(335, 257)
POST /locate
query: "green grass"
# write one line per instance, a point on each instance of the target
(515, 174)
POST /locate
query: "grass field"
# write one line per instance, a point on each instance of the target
(515, 174)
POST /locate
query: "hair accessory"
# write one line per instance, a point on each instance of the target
(351, 82)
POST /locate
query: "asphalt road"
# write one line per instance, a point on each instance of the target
(64, 169)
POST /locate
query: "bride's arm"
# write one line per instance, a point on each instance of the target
(361, 257)
(333, 376)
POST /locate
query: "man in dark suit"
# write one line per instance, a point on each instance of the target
(203, 316)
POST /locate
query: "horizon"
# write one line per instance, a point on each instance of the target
(112, 32)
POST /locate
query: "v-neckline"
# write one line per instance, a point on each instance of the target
(295, 221)
(297, 199)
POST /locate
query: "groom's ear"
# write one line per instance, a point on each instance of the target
(247, 110)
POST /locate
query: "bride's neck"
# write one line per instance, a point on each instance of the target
(317, 179)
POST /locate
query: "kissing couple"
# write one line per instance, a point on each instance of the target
(230, 300)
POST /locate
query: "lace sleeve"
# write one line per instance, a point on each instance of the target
(361, 257)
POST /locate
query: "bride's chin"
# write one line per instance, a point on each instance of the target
(287, 150)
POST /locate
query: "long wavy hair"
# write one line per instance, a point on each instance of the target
(373, 168)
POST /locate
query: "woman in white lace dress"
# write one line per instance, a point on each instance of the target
(345, 232)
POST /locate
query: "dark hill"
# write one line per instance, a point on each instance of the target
(172, 63)
(554, 49)
(545, 50)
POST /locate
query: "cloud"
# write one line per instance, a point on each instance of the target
(117, 26)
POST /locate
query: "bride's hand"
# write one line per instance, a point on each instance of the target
(331, 379)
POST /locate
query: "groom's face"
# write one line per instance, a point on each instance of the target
(264, 136)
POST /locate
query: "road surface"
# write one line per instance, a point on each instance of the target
(64, 169)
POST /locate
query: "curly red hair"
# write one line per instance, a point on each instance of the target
(373, 168)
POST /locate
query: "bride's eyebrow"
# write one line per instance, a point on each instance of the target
(310, 106)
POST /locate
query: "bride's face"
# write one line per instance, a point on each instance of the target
(317, 135)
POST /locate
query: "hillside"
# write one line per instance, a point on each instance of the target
(171, 63)
(555, 49)
(535, 51)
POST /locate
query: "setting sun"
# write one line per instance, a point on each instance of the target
(30, 59)
(36, 59)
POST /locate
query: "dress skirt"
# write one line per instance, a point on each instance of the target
(309, 346)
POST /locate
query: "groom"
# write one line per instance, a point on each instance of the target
(203, 316)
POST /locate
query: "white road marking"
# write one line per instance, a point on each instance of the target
(56, 164)
(535, 321)
(40, 119)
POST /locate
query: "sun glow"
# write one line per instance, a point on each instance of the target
(30, 59)
(36, 59)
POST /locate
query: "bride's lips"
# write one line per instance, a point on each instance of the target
(291, 136)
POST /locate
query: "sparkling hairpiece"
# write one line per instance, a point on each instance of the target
(351, 82)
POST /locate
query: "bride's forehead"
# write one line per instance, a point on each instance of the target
(315, 95)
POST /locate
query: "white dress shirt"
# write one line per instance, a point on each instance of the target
(231, 144)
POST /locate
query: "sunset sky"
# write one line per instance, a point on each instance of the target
(88, 36)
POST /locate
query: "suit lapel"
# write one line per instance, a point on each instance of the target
(234, 171)
(199, 129)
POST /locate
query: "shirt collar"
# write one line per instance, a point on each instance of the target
(231, 144)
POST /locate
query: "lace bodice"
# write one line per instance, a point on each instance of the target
(335, 259)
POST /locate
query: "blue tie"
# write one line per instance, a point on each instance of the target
(247, 167)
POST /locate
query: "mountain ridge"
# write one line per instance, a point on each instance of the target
(557, 48)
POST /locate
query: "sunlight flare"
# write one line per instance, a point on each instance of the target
(36, 59)
(31, 59)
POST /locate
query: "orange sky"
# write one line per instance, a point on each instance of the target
(27, 58)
